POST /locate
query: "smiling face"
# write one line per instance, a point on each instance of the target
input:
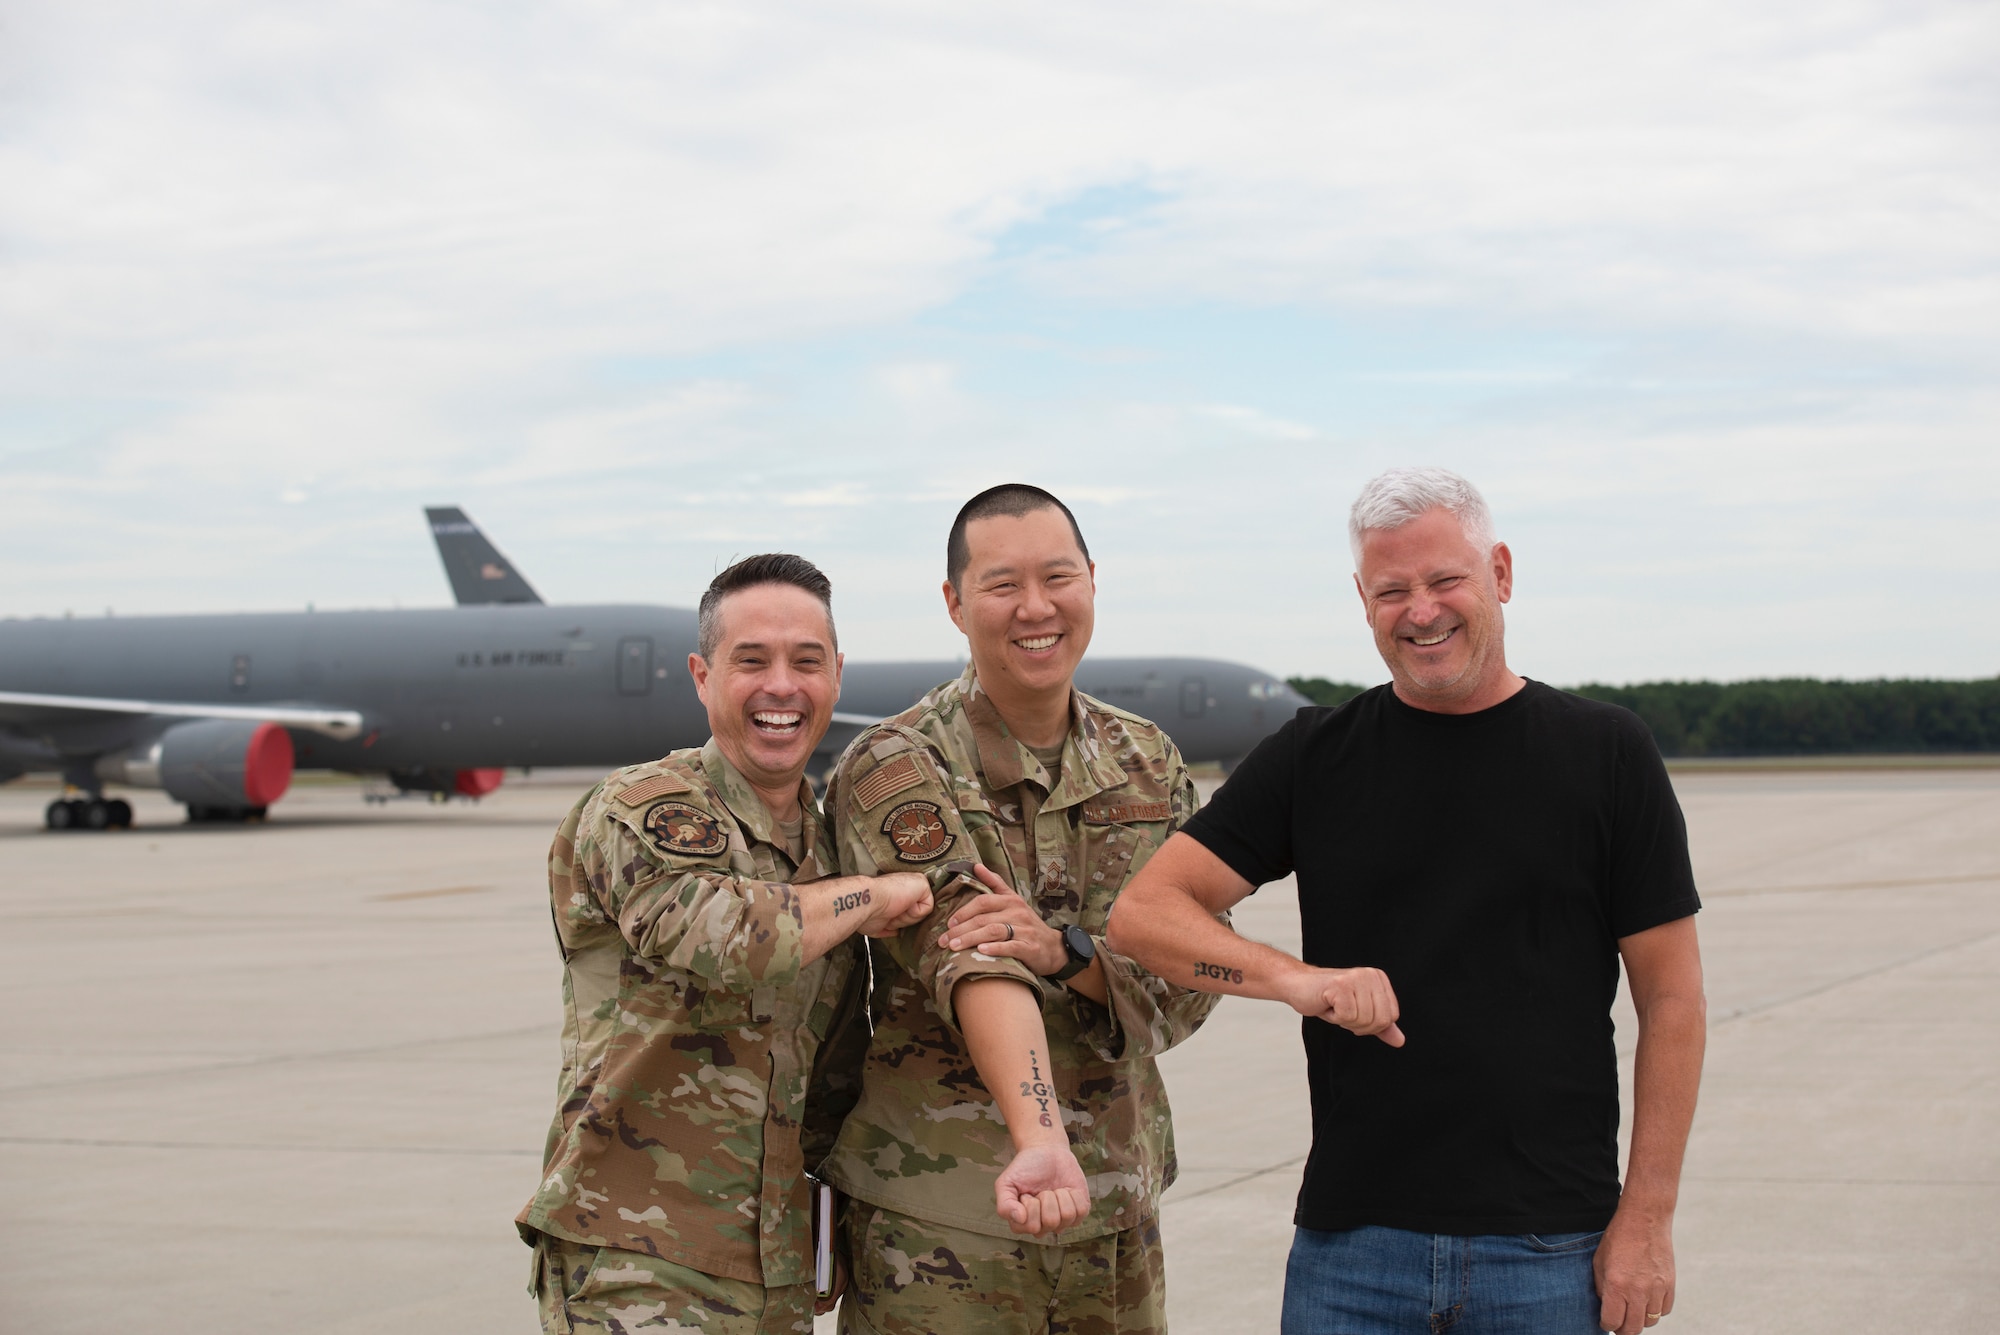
(772, 685)
(1027, 603)
(1433, 601)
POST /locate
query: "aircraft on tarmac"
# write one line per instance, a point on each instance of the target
(217, 710)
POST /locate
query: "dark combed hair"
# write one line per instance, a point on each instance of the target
(1012, 499)
(768, 568)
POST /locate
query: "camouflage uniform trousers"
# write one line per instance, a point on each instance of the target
(911, 1277)
(585, 1290)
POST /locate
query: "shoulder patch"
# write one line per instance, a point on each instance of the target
(918, 833)
(657, 785)
(679, 828)
(1118, 813)
(899, 775)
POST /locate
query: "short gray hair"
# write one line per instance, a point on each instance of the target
(1392, 499)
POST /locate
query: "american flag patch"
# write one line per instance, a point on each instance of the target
(659, 785)
(895, 777)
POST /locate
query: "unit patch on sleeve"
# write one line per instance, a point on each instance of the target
(656, 785)
(897, 776)
(679, 828)
(918, 832)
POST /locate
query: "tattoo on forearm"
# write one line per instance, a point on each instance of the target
(1220, 972)
(842, 903)
(1038, 1089)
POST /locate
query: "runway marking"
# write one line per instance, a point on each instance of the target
(431, 894)
(266, 1149)
(1816, 990)
(1850, 885)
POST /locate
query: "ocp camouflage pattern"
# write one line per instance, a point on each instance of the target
(584, 1290)
(691, 1025)
(926, 1138)
(910, 1277)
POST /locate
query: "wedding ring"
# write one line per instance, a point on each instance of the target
(1010, 931)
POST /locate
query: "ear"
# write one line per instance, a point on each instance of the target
(953, 606)
(1364, 599)
(1093, 577)
(839, 662)
(698, 669)
(1503, 571)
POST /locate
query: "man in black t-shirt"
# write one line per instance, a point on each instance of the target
(1475, 854)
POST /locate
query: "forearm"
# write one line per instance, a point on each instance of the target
(1090, 981)
(1173, 936)
(1002, 1023)
(1665, 1081)
(830, 911)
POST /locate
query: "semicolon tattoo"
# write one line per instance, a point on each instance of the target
(1221, 972)
(1037, 1088)
(842, 903)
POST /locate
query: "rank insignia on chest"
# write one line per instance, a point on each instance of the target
(679, 828)
(917, 830)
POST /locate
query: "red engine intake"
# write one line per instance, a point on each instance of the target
(226, 764)
(477, 782)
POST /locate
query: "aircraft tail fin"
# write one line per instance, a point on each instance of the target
(478, 573)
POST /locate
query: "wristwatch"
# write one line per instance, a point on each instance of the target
(1082, 950)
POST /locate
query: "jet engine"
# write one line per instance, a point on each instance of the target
(219, 767)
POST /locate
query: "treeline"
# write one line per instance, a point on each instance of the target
(1794, 716)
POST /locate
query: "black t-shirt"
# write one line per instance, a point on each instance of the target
(1488, 863)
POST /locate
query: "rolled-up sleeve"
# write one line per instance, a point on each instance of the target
(735, 932)
(867, 837)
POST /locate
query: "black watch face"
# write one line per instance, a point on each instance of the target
(1080, 945)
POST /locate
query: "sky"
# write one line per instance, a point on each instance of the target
(1703, 296)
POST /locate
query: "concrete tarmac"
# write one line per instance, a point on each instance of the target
(296, 1077)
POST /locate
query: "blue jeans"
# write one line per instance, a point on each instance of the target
(1386, 1281)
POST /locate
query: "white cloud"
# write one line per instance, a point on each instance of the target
(1257, 423)
(586, 266)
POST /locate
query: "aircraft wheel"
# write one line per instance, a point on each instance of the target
(60, 815)
(121, 813)
(96, 814)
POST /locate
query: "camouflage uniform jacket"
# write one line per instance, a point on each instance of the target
(944, 781)
(691, 1025)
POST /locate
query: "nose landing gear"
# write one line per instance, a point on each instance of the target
(88, 813)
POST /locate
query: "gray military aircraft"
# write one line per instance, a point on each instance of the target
(218, 710)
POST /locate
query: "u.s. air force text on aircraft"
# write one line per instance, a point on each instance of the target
(501, 658)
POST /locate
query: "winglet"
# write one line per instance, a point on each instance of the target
(478, 573)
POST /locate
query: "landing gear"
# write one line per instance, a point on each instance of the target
(88, 813)
(200, 815)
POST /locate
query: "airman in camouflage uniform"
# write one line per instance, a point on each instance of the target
(942, 786)
(701, 979)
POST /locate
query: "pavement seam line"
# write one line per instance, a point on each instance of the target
(232, 1148)
(273, 1059)
(1850, 885)
(1238, 1181)
(1763, 1007)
